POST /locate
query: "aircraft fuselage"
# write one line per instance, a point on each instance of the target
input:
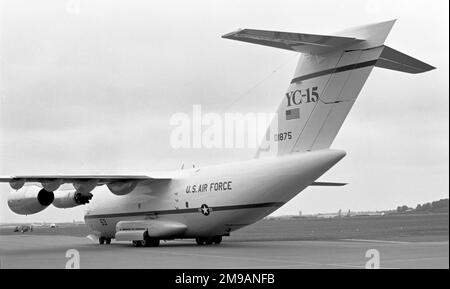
(213, 200)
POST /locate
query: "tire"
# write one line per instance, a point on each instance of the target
(137, 243)
(101, 240)
(150, 242)
(108, 241)
(217, 240)
(200, 241)
(209, 241)
(154, 242)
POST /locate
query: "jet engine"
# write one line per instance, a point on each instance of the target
(121, 188)
(70, 199)
(29, 200)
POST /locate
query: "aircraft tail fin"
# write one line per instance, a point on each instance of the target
(329, 77)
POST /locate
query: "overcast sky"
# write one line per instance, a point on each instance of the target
(90, 86)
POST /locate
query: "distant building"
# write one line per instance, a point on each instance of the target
(327, 216)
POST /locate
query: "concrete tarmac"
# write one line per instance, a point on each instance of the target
(32, 251)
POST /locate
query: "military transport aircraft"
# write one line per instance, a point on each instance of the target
(207, 203)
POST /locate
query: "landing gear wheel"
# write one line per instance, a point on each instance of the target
(200, 241)
(154, 242)
(150, 242)
(217, 240)
(101, 240)
(137, 243)
(108, 241)
(209, 241)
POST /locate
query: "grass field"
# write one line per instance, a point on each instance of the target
(425, 227)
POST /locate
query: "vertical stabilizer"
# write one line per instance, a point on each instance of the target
(328, 79)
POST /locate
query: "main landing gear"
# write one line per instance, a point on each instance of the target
(147, 242)
(208, 240)
(103, 240)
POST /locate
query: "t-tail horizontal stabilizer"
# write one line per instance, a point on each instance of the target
(395, 60)
(329, 76)
(300, 42)
(367, 36)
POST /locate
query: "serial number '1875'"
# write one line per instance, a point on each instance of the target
(282, 136)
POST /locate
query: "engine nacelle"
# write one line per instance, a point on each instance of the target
(122, 188)
(29, 200)
(70, 199)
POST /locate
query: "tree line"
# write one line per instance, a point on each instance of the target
(431, 207)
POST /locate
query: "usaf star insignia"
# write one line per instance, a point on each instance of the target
(205, 210)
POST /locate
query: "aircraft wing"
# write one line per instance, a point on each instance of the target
(70, 179)
(52, 182)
